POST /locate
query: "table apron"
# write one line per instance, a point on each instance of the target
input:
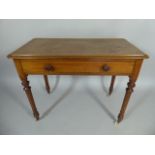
(54, 67)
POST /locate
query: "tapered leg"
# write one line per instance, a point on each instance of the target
(47, 83)
(129, 90)
(112, 84)
(28, 92)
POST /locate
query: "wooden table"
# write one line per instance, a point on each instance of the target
(95, 56)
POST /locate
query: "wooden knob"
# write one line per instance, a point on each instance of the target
(106, 68)
(48, 67)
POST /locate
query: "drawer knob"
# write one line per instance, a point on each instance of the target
(48, 67)
(106, 68)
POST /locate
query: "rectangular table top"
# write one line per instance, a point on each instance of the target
(78, 47)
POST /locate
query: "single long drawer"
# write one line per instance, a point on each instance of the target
(66, 67)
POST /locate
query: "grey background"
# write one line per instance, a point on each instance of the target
(77, 104)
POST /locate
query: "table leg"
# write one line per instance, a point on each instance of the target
(112, 84)
(129, 90)
(28, 92)
(47, 84)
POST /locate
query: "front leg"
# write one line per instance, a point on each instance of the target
(129, 90)
(131, 84)
(28, 92)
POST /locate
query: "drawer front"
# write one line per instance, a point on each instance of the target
(77, 67)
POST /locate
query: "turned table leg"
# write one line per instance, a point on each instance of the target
(129, 90)
(47, 84)
(112, 84)
(28, 92)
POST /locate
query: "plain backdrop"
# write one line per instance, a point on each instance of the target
(77, 104)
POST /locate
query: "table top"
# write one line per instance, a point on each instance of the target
(78, 47)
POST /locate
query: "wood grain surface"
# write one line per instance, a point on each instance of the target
(71, 47)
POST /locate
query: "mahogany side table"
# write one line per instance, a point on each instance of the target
(73, 56)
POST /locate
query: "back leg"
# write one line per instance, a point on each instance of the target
(47, 86)
(112, 84)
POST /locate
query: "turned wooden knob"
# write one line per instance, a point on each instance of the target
(48, 67)
(106, 68)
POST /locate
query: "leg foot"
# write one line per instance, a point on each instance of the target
(36, 115)
(120, 118)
